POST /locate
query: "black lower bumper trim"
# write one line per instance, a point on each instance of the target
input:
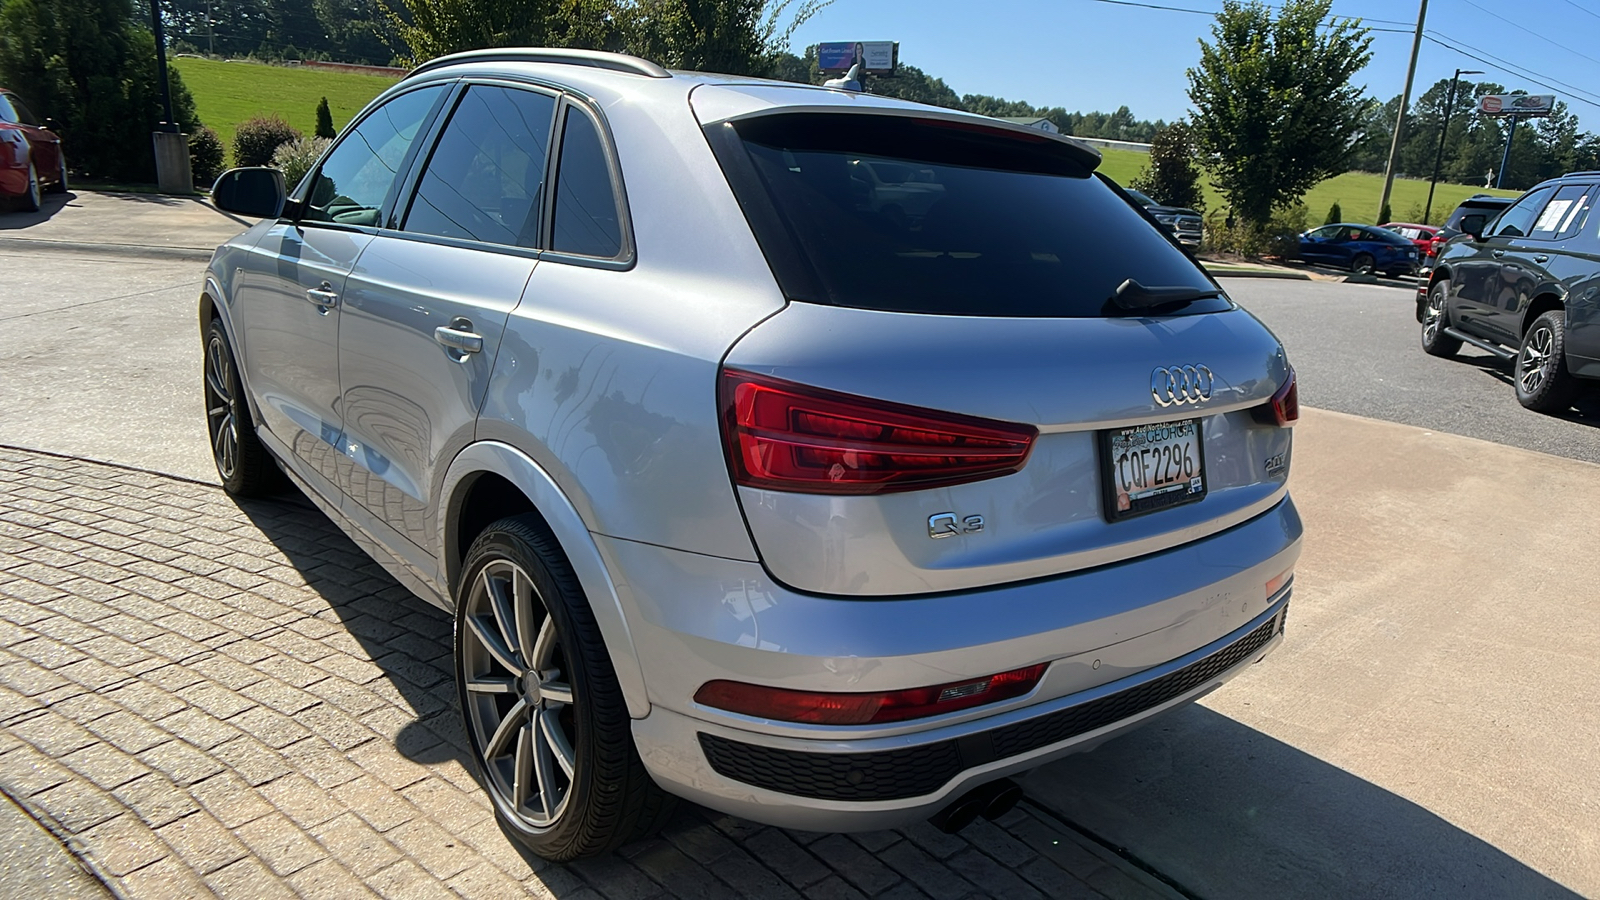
(916, 771)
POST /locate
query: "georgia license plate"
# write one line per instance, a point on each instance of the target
(1152, 467)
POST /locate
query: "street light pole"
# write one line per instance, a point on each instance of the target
(1438, 159)
(1400, 120)
(167, 124)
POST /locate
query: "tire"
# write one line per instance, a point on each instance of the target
(1435, 318)
(60, 187)
(30, 199)
(243, 464)
(1363, 264)
(1541, 377)
(548, 727)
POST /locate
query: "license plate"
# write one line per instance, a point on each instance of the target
(1152, 467)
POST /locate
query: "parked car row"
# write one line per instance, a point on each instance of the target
(1522, 286)
(1363, 249)
(31, 161)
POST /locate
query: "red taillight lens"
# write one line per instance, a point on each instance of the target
(789, 437)
(817, 708)
(1284, 407)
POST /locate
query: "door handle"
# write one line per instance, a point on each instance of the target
(458, 338)
(1541, 258)
(324, 297)
(1499, 253)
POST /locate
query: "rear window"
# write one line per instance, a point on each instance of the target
(911, 215)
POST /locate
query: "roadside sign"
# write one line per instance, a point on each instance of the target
(1523, 106)
(876, 57)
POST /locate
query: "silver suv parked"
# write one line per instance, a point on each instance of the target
(747, 479)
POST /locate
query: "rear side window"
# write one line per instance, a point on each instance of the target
(587, 221)
(486, 175)
(911, 215)
(1518, 220)
(1563, 214)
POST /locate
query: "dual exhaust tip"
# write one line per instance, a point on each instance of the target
(991, 801)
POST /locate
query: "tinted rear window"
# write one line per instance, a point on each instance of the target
(912, 215)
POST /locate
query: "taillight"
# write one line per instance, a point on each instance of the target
(1284, 407)
(820, 708)
(788, 437)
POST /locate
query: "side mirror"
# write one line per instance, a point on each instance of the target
(257, 191)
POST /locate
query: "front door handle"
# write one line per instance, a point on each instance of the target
(1499, 253)
(1541, 258)
(323, 296)
(459, 338)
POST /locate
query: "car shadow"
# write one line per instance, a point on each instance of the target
(1585, 409)
(1227, 811)
(49, 205)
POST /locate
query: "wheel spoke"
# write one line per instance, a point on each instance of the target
(522, 601)
(556, 692)
(214, 382)
(560, 747)
(505, 616)
(503, 732)
(491, 642)
(492, 685)
(213, 413)
(522, 771)
(544, 646)
(542, 769)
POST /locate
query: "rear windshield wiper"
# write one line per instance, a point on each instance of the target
(1133, 295)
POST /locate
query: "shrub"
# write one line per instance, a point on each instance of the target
(257, 138)
(1280, 237)
(1335, 214)
(297, 157)
(205, 157)
(324, 120)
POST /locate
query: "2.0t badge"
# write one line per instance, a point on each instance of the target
(1177, 385)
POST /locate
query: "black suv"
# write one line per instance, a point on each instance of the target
(1185, 224)
(1468, 218)
(1524, 287)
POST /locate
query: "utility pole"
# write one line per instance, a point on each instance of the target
(1400, 120)
(167, 124)
(1438, 159)
(211, 38)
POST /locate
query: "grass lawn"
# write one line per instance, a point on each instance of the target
(1356, 193)
(227, 93)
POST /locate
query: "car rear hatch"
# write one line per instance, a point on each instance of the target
(1018, 379)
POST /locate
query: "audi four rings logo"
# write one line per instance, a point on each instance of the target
(1177, 385)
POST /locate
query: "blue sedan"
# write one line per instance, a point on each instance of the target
(1359, 248)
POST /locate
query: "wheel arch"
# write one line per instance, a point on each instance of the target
(1541, 304)
(474, 495)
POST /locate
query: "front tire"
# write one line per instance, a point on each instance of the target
(545, 716)
(1363, 264)
(1435, 319)
(243, 464)
(1543, 382)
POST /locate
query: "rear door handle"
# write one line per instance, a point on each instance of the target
(324, 296)
(459, 338)
(1541, 258)
(1499, 253)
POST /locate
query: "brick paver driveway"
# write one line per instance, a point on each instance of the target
(203, 696)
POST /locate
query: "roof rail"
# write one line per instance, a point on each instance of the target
(1582, 172)
(616, 62)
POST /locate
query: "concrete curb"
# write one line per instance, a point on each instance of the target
(195, 254)
(1257, 273)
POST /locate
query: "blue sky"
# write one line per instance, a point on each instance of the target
(1087, 54)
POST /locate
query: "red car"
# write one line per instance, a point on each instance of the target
(1421, 235)
(31, 161)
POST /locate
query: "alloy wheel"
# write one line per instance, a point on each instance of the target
(1533, 364)
(220, 415)
(519, 703)
(1433, 317)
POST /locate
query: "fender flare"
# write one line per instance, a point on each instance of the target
(571, 534)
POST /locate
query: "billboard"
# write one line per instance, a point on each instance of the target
(1523, 106)
(876, 57)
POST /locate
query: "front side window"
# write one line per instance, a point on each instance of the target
(587, 219)
(1518, 220)
(1326, 232)
(485, 178)
(24, 115)
(7, 112)
(355, 178)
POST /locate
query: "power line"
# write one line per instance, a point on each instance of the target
(1536, 34)
(1213, 13)
(1581, 9)
(1510, 68)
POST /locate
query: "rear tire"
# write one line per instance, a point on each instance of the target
(1435, 319)
(243, 464)
(30, 199)
(1363, 264)
(544, 714)
(1541, 376)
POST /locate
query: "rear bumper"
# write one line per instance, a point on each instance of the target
(1104, 632)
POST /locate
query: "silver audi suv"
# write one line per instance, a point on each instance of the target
(820, 458)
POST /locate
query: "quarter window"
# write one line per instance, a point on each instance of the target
(587, 221)
(485, 178)
(355, 178)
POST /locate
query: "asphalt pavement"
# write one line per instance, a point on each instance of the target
(1357, 350)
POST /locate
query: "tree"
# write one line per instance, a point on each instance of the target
(1172, 178)
(1274, 107)
(84, 64)
(1335, 214)
(324, 120)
